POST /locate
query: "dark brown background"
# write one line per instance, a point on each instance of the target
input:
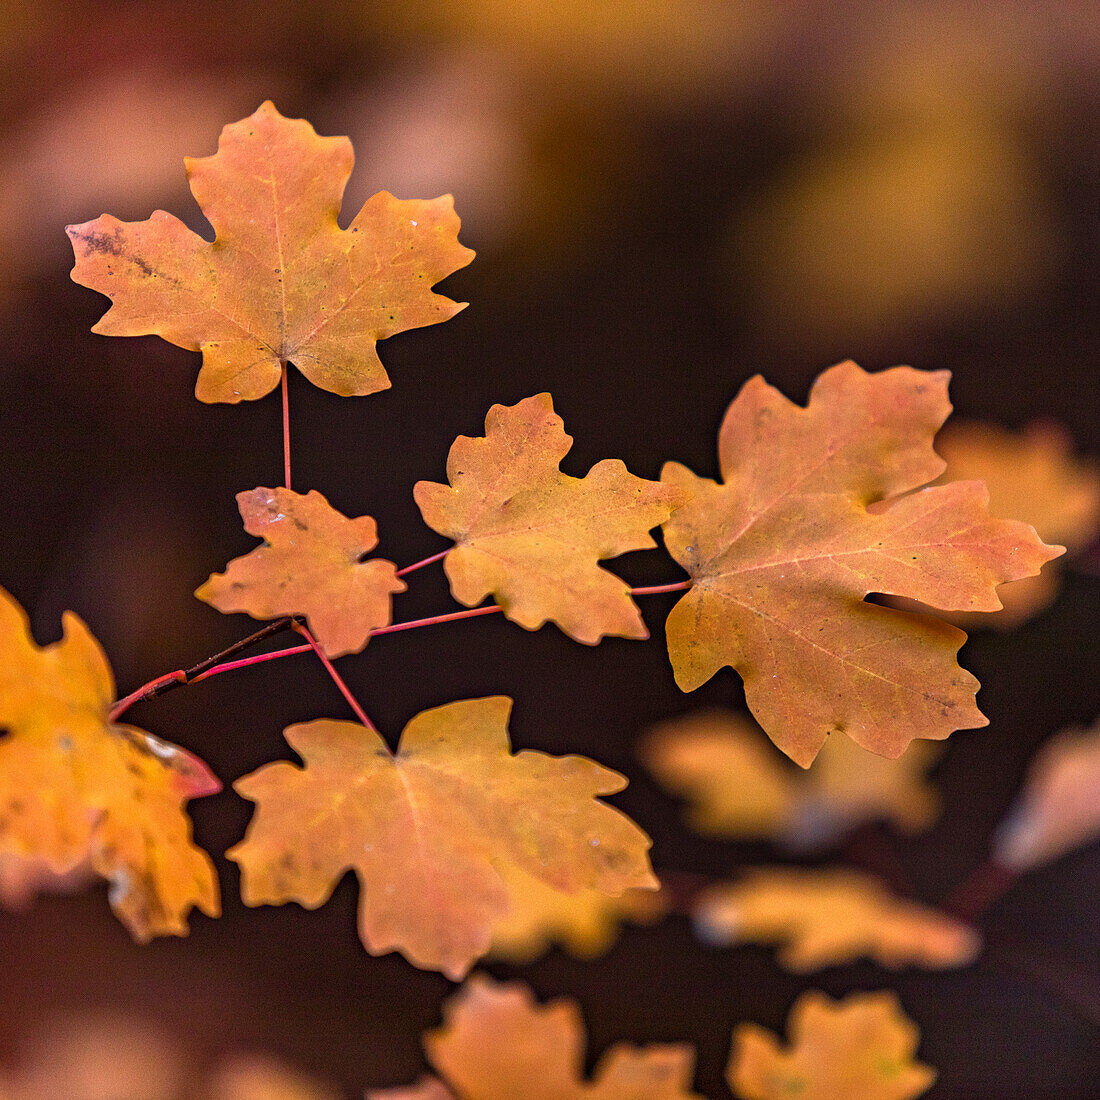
(628, 210)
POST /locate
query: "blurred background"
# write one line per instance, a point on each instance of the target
(666, 197)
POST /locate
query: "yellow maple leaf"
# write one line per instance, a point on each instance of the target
(281, 282)
(530, 535)
(738, 785)
(829, 917)
(429, 828)
(585, 922)
(76, 787)
(860, 1048)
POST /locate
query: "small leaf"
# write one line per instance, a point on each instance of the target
(76, 787)
(530, 535)
(860, 1048)
(311, 564)
(817, 511)
(432, 830)
(1059, 806)
(738, 785)
(830, 917)
(281, 282)
(497, 1044)
(585, 922)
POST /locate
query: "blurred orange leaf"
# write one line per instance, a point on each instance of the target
(738, 785)
(497, 1044)
(585, 922)
(817, 511)
(311, 564)
(431, 829)
(530, 535)
(75, 786)
(830, 917)
(281, 282)
(1031, 476)
(1059, 806)
(859, 1048)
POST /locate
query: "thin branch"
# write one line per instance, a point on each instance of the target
(986, 884)
(337, 679)
(172, 680)
(420, 564)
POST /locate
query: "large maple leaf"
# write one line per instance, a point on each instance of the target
(860, 1047)
(429, 828)
(76, 787)
(818, 511)
(530, 535)
(311, 564)
(497, 1044)
(281, 282)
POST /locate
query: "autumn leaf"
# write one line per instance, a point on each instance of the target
(310, 564)
(829, 917)
(281, 282)
(497, 1044)
(859, 1048)
(585, 922)
(817, 511)
(530, 535)
(737, 784)
(432, 829)
(259, 1078)
(1058, 808)
(75, 786)
(1031, 476)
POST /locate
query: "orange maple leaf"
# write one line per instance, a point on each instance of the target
(861, 1046)
(497, 1044)
(817, 512)
(430, 828)
(281, 282)
(1031, 476)
(75, 786)
(831, 916)
(311, 564)
(530, 535)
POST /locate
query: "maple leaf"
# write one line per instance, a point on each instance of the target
(530, 535)
(1059, 806)
(281, 282)
(75, 786)
(585, 922)
(816, 512)
(861, 1046)
(497, 1044)
(738, 785)
(1031, 476)
(430, 828)
(830, 917)
(311, 564)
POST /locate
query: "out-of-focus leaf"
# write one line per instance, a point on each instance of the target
(859, 1048)
(76, 787)
(1059, 806)
(831, 917)
(586, 923)
(497, 1044)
